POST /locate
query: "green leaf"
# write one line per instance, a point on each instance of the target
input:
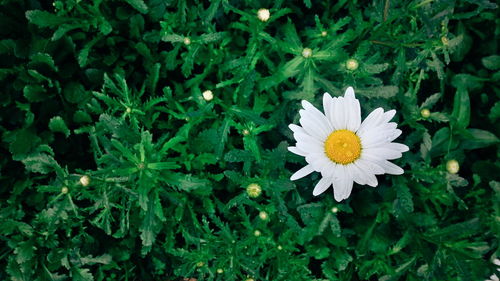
(81, 274)
(57, 124)
(40, 163)
(461, 108)
(139, 5)
(44, 19)
(379, 92)
(479, 139)
(491, 62)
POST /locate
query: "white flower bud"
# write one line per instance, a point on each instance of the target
(452, 166)
(208, 95)
(187, 41)
(263, 15)
(307, 53)
(351, 64)
(85, 180)
(254, 190)
(425, 113)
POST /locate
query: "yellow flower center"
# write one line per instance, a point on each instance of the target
(343, 147)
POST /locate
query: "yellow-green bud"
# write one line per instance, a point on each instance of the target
(444, 40)
(254, 190)
(280, 248)
(64, 190)
(220, 270)
(208, 95)
(452, 166)
(256, 233)
(200, 264)
(324, 33)
(425, 113)
(187, 41)
(335, 210)
(307, 53)
(352, 64)
(263, 15)
(85, 180)
(245, 132)
(263, 215)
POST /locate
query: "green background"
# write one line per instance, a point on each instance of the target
(110, 90)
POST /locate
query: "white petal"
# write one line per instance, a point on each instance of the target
(328, 108)
(358, 175)
(313, 127)
(322, 185)
(297, 129)
(391, 168)
(339, 117)
(398, 146)
(352, 110)
(388, 115)
(316, 114)
(306, 170)
(310, 147)
(371, 120)
(304, 137)
(349, 92)
(384, 152)
(296, 150)
(370, 166)
(318, 161)
(329, 170)
(342, 184)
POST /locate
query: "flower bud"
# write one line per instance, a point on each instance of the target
(254, 190)
(263, 215)
(425, 113)
(245, 132)
(85, 180)
(187, 41)
(200, 264)
(220, 270)
(452, 166)
(280, 248)
(208, 95)
(256, 233)
(263, 15)
(64, 190)
(352, 64)
(444, 40)
(307, 53)
(335, 210)
(324, 33)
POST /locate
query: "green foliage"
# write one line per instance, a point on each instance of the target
(115, 166)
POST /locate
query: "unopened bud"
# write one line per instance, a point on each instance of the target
(352, 64)
(263, 215)
(187, 41)
(256, 233)
(452, 166)
(307, 53)
(208, 95)
(85, 180)
(64, 190)
(254, 190)
(263, 15)
(425, 113)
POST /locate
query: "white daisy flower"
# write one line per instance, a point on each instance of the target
(343, 149)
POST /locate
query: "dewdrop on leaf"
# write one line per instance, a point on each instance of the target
(452, 166)
(307, 53)
(208, 95)
(263, 15)
(254, 190)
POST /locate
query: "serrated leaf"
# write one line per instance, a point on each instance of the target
(478, 139)
(461, 108)
(57, 124)
(40, 163)
(44, 19)
(139, 5)
(491, 62)
(81, 274)
(379, 92)
(430, 101)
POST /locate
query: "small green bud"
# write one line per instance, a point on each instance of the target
(254, 190)
(352, 64)
(425, 113)
(452, 166)
(263, 15)
(257, 233)
(263, 215)
(307, 53)
(324, 33)
(200, 264)
(220, 270)
(208, 95)
(335, 210)
(85, 180)
(187, 41)
(64, 190)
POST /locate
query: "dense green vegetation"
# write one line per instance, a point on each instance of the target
(117, 164)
